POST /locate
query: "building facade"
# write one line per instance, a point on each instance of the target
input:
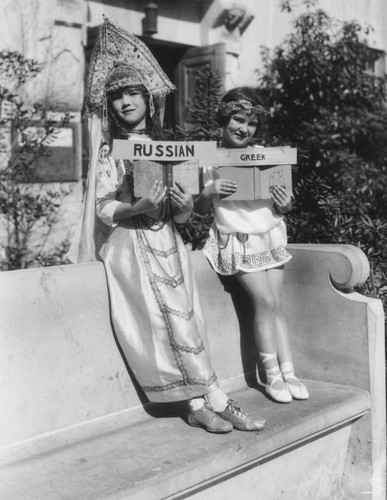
(225, 36)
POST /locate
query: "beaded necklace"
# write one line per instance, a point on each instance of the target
(139, 131)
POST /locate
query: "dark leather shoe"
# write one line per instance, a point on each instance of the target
(239, 419)
(208, 420)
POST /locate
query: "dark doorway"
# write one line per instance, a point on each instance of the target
(169, 57)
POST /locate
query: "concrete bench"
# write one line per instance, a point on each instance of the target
(74, 424)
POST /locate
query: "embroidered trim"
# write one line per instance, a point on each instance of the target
(180, 314)
(116, 46)
(192, 350)
(232, 107)
(173, 282)
(160, 253)
(164, 309)
(180, 383)
(238, 260)
(114, 83)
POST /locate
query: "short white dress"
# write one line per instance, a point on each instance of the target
(246, 236)
(155, 307)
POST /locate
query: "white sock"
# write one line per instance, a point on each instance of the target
(196, 403)
(217, 399)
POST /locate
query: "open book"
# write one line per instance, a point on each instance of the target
(146, 172)
(256, 183)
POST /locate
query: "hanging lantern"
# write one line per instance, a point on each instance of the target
(149, 25)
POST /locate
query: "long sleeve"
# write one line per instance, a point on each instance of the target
(108, 180)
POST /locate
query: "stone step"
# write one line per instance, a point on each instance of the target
(165, 458)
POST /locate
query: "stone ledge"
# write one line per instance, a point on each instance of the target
(164, 457)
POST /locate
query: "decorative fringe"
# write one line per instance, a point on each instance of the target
(151, 104)
(105, 114)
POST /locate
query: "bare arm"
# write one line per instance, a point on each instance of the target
(219, 187)
(282, 201)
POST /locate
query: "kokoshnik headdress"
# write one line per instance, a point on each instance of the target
(229, 108)
(119, 59)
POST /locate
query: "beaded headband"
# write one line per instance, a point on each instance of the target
(122, 76)
(231, 107)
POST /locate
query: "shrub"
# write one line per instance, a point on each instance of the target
(27, 210)
(204, 127)
(323, 101)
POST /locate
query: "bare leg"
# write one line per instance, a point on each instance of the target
(264, 302)
(284, 353)
(276, 279)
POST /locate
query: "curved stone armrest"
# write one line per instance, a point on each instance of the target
(347, 265)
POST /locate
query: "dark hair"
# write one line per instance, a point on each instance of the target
(237, 94)
(120, 130)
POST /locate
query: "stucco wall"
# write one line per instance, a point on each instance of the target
(31, 26)
(198, 24)
(51, 32)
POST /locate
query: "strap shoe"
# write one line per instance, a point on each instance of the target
(282, 395)
(296, 388)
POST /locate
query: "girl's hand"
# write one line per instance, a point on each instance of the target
(152, 201)
(221, 187)
(181, 198)
(282, 201)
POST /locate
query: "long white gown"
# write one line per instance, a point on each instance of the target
(155, 308)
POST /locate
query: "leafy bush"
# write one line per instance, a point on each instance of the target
(27, 210)
(208, 88)
(204, 127)
(323, 101)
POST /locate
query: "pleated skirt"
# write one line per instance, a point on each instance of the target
(230, 253)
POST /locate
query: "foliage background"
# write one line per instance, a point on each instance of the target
(323, 101)
(28, 210)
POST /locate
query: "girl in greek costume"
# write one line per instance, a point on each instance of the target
(155, 310)
(248, 239)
